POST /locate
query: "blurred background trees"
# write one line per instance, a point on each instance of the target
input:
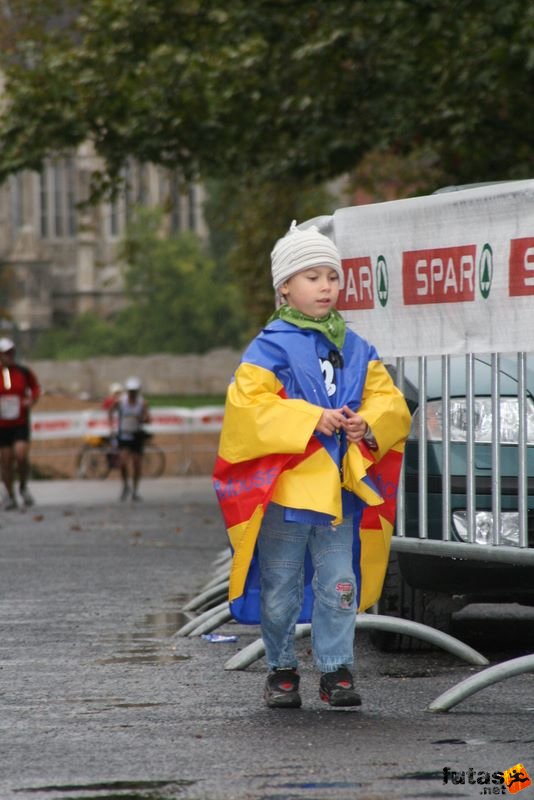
(293, 88)
(267, 101)
(180, 301)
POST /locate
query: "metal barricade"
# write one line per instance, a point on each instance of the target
(477, 428)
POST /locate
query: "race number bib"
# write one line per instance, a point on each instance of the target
(9, 406)
(130, 424)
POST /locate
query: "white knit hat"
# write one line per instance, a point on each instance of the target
(303, 249)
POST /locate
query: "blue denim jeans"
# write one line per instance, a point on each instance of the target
(282, 548)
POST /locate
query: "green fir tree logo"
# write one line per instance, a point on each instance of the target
(485, 271)
(382, 281)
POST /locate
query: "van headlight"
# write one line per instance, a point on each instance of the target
(482, 422)
(508, 534)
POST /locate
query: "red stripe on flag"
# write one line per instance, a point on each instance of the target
(242, 487)
(385, 476)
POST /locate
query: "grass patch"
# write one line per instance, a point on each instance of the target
(185, 400)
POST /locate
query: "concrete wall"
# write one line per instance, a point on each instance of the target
(160, 374)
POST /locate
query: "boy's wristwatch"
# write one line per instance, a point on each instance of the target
(369, 439)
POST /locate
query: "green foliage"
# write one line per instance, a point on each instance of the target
(87, 335)
(269, 99)
(284, 91)
(245, 218)
(185, 400)
(178, 302)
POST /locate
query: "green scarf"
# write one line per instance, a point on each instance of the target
(332, 325)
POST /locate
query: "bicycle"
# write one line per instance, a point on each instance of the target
(99, 455)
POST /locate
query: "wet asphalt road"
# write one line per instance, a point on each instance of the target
(100, 699)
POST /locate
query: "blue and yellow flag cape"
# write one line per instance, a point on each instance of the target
(269, 451)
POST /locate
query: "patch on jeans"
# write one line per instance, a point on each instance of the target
(346, 594)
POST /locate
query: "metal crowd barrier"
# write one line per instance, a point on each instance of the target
(496, 370)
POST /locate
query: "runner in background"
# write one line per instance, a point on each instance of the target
(132, 412)
(109, 403)
(19, 391)
(115, 391)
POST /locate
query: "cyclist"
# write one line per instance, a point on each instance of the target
(132, 413)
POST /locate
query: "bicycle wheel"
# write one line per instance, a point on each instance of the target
(93, 462)
(153, 461)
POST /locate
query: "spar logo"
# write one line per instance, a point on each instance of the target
(521, 266)
(382, 281)
(358, 288)
(485, 271)
(446, 274)
(357, 292)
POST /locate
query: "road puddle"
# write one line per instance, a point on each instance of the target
(420, 776)
(143, 656)
(115, 790)
(165, 623)
(149, 644)
(321, 785)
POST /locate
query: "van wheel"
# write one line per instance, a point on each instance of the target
(399, 599)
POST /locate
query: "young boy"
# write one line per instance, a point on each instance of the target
(312, 437)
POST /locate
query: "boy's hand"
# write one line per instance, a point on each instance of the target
(355, 425)
(331, 420)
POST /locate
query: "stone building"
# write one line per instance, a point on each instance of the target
(59, 258)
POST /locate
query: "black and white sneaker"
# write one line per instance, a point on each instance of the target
(282, 689)
(26, 496)
(337, 689)
(9, 504)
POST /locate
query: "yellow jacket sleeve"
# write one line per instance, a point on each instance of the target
(258, 421)
(384, 409)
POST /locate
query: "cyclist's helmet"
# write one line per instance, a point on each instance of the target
(133, 384)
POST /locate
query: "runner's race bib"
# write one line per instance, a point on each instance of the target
(130, 424)
(9, 406)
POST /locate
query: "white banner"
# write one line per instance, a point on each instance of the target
(80, 424)
(446, 273)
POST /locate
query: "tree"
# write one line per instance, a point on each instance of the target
(273, 97)
(179, 302)
(285, 89)
(249, 214)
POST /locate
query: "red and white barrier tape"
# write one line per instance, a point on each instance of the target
(79, 424)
